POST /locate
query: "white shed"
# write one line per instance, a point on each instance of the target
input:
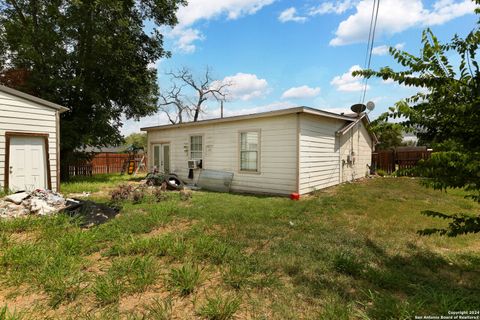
(278, 152)
(29, 141)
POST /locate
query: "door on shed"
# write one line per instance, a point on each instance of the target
(161, 157)
(28, 163)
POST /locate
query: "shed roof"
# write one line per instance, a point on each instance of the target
(31, 98)
(256, 116)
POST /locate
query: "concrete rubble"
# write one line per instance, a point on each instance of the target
(38, 202)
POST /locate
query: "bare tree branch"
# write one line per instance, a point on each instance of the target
(204, 89)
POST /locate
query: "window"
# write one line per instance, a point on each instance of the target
(249, 148)
(196, 147)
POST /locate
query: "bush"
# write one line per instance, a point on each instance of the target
(381, 172)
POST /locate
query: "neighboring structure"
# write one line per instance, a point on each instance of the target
(279, 152)
(29, 141)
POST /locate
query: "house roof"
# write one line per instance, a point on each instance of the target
(109, 149)
(274, 113)
(31, 98)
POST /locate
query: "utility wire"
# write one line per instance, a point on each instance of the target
(371, 41)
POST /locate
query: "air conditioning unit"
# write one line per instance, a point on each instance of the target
(193, 164)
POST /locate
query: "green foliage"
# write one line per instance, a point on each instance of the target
(91, 56)
(446, 113)
(138, 140)
(390, 135)
(460, 224)
(5, 314)
(219, 308)
(185, 279)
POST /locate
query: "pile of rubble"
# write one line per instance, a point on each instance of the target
(37, 202)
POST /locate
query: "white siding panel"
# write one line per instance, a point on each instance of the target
(20, 115)
(278, 152)
(319, 153)
(358, 144)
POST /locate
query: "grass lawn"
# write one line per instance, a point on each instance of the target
(350, 252)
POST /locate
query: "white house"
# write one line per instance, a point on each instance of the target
(278, 152)
(29, 141)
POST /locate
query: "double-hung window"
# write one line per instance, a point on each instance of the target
(249, 151)
(196, 147)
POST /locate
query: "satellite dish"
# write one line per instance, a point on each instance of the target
(370, 105)
(358, 108)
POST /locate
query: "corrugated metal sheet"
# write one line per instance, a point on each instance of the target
(213, 180)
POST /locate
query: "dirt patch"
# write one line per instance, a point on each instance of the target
(98, 264)
(22, 298)
(26, 236)
(175, 226)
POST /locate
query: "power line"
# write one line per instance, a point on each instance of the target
(371, 41)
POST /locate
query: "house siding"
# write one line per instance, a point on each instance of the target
(319, 153)
(21, 115)
(360, 142)
(278, 152)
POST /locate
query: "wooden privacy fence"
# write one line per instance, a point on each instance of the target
(392, 160)
(102, 163)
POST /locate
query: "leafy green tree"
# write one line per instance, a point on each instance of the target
(138, 140)
(446, 114)
(390, 135)
(91, 56)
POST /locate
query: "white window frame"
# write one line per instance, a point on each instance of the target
(259, 148)
(190, 147)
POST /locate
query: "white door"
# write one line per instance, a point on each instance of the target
(28, 163)
(161, 157)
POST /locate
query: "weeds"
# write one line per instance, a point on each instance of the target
(185, 279)
(126, 275)
(220, 308)
(159, 309)
(6, 314)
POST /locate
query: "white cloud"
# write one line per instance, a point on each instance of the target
(301, 92)
(348, 83)
(185, 38)
(396, 16)
(290, 14)
(244, 86)
(198, 10)
(337, 7)
(383, 50)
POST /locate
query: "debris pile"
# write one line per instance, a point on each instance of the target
(38, 202)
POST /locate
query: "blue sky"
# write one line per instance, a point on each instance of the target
(279, 53)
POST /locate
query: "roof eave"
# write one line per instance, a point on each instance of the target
(34, 99)
(252, 116)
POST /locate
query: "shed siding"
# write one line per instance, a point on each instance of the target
(278, 152)
(360, 142)
(319, 153)
(20, 115)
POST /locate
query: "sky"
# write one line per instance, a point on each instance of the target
(278, 54)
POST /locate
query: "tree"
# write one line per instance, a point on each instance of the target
(187, 95)
(389, 134)
(91, 56)
(447, 114)
(138, 140)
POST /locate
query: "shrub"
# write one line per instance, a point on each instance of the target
(381, 173)
(121, 193)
